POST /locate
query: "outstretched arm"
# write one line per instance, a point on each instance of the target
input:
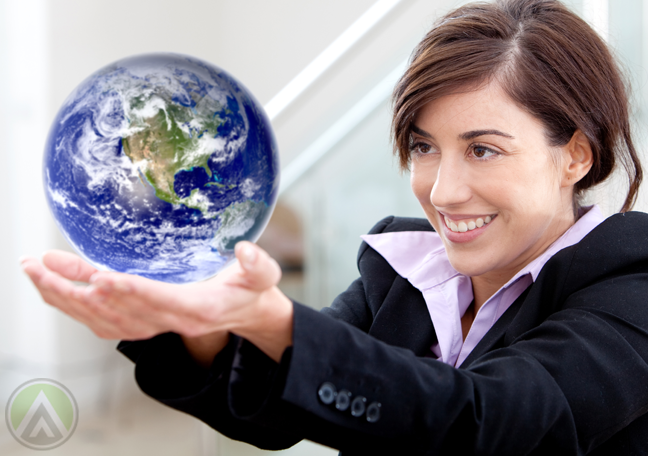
(242, 300)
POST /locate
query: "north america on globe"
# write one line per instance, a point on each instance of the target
(157, 164)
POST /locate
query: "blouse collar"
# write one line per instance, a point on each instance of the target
(419, 257)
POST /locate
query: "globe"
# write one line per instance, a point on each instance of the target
(157, 165)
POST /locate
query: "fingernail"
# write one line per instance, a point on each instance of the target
(102, 285)
(93, 294)
(122, 286)
(78, 294)
(249, 255)
(22, 259)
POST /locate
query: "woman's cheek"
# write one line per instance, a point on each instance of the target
(422, 180)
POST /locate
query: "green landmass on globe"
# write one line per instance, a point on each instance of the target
(160, 148)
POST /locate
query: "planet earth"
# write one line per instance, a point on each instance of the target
(158, 164)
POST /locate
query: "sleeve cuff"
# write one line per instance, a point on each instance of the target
(255, 379)
(165, 370)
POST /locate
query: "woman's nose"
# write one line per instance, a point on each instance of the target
(452, 186)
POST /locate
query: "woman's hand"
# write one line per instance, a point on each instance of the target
(243, 300)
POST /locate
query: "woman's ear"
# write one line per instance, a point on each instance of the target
(578, 159)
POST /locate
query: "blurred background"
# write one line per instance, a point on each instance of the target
(323, 70)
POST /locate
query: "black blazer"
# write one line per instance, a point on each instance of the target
(563, 371)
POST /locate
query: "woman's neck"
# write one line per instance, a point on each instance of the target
(486, 285)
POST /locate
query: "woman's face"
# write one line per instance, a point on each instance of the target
(488, 181)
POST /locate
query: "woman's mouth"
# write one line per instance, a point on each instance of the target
(464, 225)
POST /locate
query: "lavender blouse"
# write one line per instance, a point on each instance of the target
(419, 257)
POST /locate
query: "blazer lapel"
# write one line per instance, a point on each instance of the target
(403, 319)
(493, 338)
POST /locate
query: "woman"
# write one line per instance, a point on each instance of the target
(511, 321)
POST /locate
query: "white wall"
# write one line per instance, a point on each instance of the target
(25, 227)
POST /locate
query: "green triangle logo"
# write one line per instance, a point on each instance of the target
(42, 414)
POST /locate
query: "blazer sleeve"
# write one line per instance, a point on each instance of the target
(165, 371)
(564, 387)
(569, 376)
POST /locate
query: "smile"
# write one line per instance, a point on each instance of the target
(468, 224)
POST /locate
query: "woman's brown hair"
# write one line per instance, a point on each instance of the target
(547, 59)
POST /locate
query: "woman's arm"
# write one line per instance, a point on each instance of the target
(567, 375)
(563, 387)
(272, 334)
(181, 337)
(203, 349)
(242, 300)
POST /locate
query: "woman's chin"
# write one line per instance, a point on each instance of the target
(472, 265)
(470, 271)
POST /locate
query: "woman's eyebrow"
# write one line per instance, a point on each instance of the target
(420, 132)
(467, 136)
(476, 133)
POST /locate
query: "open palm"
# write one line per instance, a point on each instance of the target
(123, 306)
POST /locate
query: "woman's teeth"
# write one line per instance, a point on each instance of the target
(469, 225)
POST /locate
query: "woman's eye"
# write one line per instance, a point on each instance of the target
(483, 152)
(421, 148)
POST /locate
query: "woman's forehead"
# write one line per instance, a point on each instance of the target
(485, 108)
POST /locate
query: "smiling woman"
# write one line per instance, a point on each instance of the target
(477, 158)
(510, 321)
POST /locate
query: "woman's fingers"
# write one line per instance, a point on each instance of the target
(68, 265)
(56, 290)
(260, 270)
(116, 305)
(48, 283)
(173, 307)
(130, 288)
(71, 299)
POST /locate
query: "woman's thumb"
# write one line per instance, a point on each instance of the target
(260, 270)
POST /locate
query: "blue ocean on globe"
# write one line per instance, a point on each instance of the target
(158, 164)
